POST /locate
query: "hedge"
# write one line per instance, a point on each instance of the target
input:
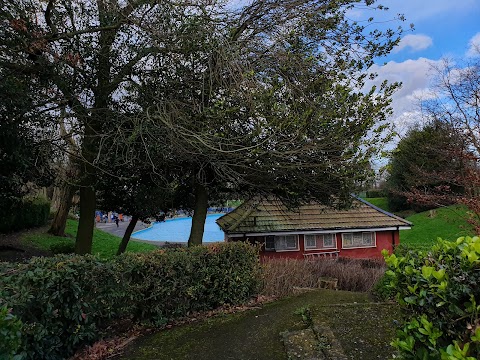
(440, 297)
(66, 301)
(374, 193)
(24, 214)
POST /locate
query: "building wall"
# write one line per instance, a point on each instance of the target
(384, 240)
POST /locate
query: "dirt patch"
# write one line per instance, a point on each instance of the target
(12, 248)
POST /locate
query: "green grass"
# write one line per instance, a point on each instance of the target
(380, 202)
(104, 244)
(447, 223)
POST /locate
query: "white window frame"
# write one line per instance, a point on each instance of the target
(279, 237)
(322, 239)
(372, 234)
(305, 241)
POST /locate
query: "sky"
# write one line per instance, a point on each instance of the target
(442, 28)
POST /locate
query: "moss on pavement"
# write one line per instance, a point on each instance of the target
(363, 329)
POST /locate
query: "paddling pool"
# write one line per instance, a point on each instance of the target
(178, 230)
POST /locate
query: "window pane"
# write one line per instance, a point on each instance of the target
(291, 242)
(368, 238)
(347, 239)
(280, 243)
(358, 239)
(310, 242)
(270, 243)
(328, 240)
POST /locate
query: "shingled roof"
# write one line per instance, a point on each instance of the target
(270, 215)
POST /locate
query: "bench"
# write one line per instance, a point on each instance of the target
(322, 254)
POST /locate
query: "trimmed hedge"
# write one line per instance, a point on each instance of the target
(10, 335)
(64, 302)
(440, 297)
(24, 214)
(374, 193)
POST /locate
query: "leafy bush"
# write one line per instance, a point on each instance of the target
(64, 302)
(375, 193)
(24, 214)
(382, 290)
(63, 248)
(439, 293)
(10, 335)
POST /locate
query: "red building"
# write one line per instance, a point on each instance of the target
(314, 230)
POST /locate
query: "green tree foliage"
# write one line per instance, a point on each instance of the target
(266, 105)
(271, 97)
(428, 161)
(24, 155)
(438, 292)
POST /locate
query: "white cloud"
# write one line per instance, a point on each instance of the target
(474, 45)
(414, 42)
(415, 76)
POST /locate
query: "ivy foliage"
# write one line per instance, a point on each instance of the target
(439, 294)
(66, 302)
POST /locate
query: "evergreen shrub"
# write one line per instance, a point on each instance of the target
(375, 193)
(440, 297)
(10, 335)
(66, 301)
(24, 214)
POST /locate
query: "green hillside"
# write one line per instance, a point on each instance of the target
(448, 223)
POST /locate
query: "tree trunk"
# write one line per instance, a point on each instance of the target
(57, 197)
(199, 215)
(64, 197)
(126, 236)
(83, 243)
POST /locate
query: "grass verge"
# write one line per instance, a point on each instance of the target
(380, 202)
(447, 223)
(104, 244)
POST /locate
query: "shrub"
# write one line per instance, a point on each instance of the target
(25, 214)
(63, 248)
(280, 277)
(64, 302)
(10, 335)
(376, 193)
(439, 293)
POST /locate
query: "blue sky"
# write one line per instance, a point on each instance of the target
(448, 24)
(443, 28)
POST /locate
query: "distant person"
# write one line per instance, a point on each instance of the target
(120, 216)
(116, 220)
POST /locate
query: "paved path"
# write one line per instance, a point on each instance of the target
(122, 227)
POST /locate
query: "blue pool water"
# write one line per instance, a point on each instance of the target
(178, 230)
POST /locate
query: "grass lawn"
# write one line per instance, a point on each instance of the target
(364, 330)
(447, 223)
(104, 244)
(380, 202)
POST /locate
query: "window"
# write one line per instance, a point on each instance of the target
(269, 243)
(310, 241)
(328, 240)
(286, 242)
(320, 241)
(359, 239)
